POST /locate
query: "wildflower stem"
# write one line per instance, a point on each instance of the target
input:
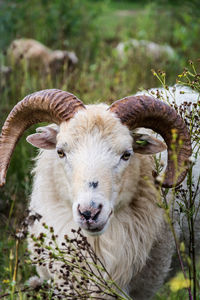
(16, 261)
(192, 239)
(178, 251)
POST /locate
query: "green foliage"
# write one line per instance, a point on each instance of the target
(175, 23)
(59, 23)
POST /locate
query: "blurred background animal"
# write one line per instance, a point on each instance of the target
(151, 50)
(39, 57)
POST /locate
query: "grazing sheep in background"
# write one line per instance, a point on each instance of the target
(150, 49)
(38, 56)
(96, 172)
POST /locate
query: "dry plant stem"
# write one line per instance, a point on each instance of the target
(178, 252)
(15, 268)
(191, 210)
(192, 240)
(100, 281)
(196, 193)
(96, 260)
(99, 278)
(16, 260)
(170, 219)
(102, 284)
(194, 197)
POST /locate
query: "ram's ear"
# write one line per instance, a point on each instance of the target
(146, 144)
(45, 138)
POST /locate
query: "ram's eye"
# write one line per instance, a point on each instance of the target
(126, 155)
(61, 153)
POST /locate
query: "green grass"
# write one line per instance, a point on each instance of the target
(99, 77)
(118, 20)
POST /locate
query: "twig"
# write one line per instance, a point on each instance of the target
(16, 292)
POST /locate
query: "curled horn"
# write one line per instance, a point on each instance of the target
(44, 106)
(146, 111)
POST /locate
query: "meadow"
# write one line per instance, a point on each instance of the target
(92, 29)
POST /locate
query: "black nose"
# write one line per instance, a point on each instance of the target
(90, 214)
(86, 214)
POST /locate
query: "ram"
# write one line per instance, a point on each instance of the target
(95, 171)
(37, 56)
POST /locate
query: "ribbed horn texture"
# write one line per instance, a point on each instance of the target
(44, 106)
(146, 111)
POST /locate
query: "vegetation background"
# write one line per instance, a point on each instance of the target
(92, 29)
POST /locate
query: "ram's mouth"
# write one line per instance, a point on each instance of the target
(98, 230)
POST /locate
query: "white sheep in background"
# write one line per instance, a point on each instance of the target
(38, 56)
(148, 48)
(95, 174)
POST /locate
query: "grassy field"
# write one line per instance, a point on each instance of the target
(92, 29)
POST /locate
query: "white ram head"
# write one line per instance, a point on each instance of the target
(95, 145)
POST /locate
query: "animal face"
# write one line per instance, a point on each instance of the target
(96, 152)
(60, 58)
(56, 61)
